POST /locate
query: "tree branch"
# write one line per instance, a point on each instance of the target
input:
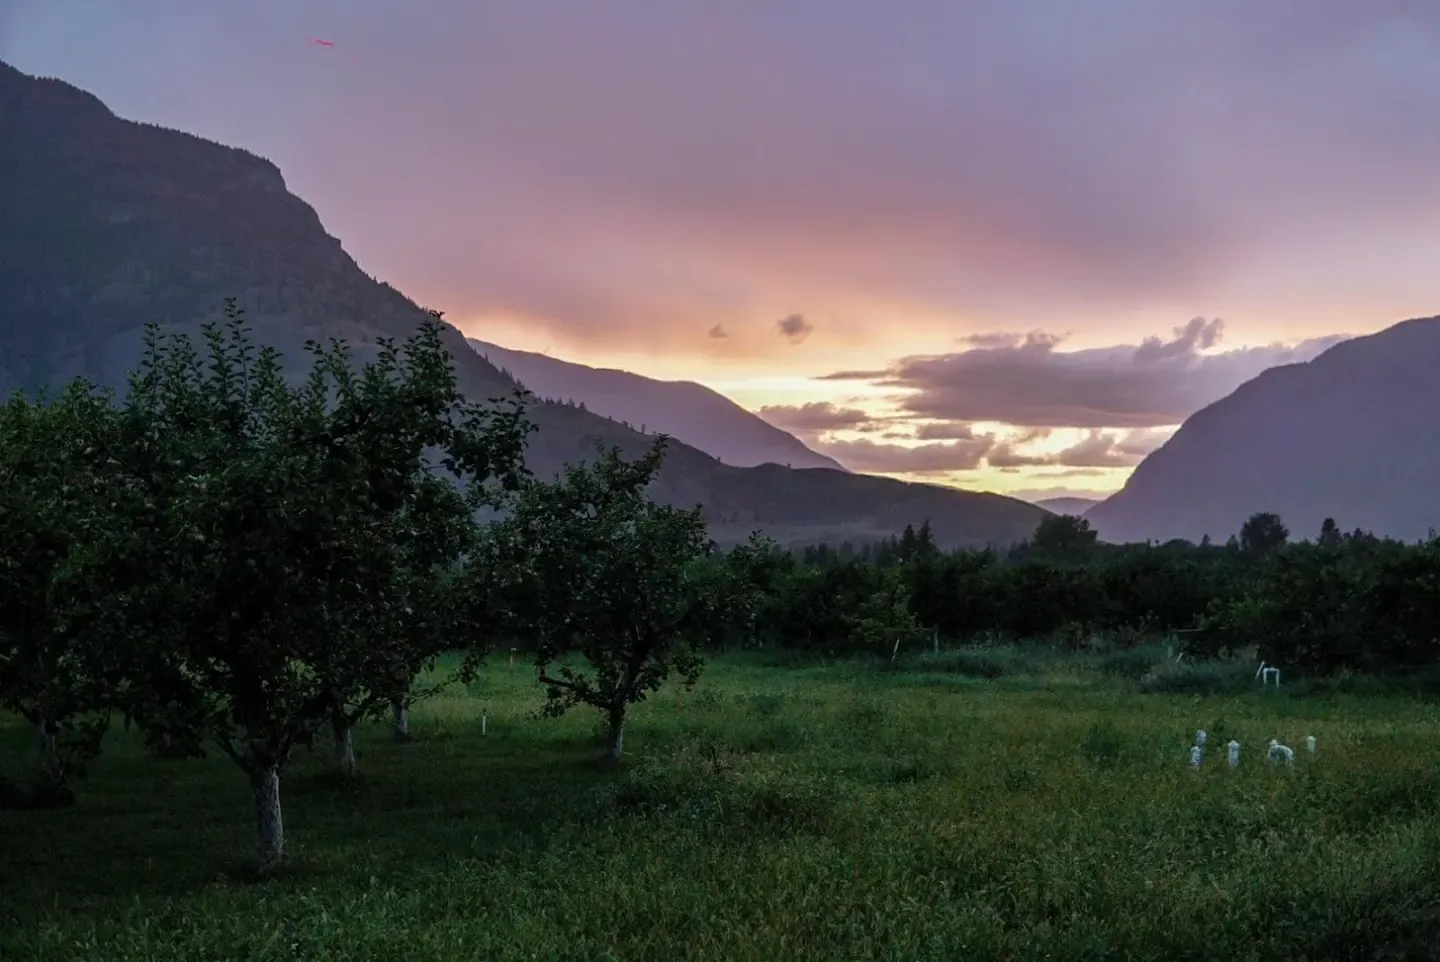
(559, 683)
(228, 747)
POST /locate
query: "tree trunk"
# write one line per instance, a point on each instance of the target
(344, 746)
(402, 721)
(265, 784)
(50, 753)
(616, 743)
(53, 791)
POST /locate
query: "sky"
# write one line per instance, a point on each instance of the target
(1003, 244)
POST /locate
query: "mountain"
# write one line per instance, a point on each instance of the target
(686, 411)
(106, 224)
(1349, 435)
(1070, 506)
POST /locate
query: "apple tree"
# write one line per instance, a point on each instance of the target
(299, 530)
(63, 509)
(595, 571)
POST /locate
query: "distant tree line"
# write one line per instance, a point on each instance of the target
(1340, 601)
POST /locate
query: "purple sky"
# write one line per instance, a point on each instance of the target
(759, 192)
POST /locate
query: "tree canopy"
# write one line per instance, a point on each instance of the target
(291, 541)
(590, 566)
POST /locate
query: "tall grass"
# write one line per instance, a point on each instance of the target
(944, 811)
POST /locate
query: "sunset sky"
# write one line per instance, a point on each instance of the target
(1006, 244)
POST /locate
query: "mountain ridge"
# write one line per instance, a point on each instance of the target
(1069, 506)
(109, 224)
(687, 411)
(1342, 436)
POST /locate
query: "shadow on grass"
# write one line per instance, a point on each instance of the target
(144, 826)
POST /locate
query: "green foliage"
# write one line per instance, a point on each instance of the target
(302, 529)
(883, 616)
(974, 662)
(590, 565)
(1361, 606)
(1344, 603)
(234, 559)
(61, 514)
(1262, 535)
(1064, 538)
(1130, 663)
(1203, 678)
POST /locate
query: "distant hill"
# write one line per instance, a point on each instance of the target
(1070, 506)
(1349, 435)
(106, 224)
(686, 411)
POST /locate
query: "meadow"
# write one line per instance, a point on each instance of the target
(971, 805)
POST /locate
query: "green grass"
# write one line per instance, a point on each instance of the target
(941, 811)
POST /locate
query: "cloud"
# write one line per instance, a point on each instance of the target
(995, 340)
(1198, 335)
(717, 332)
(873, 458)
(945, 431)
(671, 164)
(873, 374)
(1142, 440)
(794, 328)
(1029, 434)
(1025, 380)
(814, 417)
(1072, 473)
(1004, 455)
(1098, 449)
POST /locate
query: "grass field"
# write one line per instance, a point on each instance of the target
(837, 812)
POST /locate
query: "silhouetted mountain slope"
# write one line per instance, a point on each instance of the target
(1350, 435)
(106, 224)
(1070, 506)
(684, 410)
